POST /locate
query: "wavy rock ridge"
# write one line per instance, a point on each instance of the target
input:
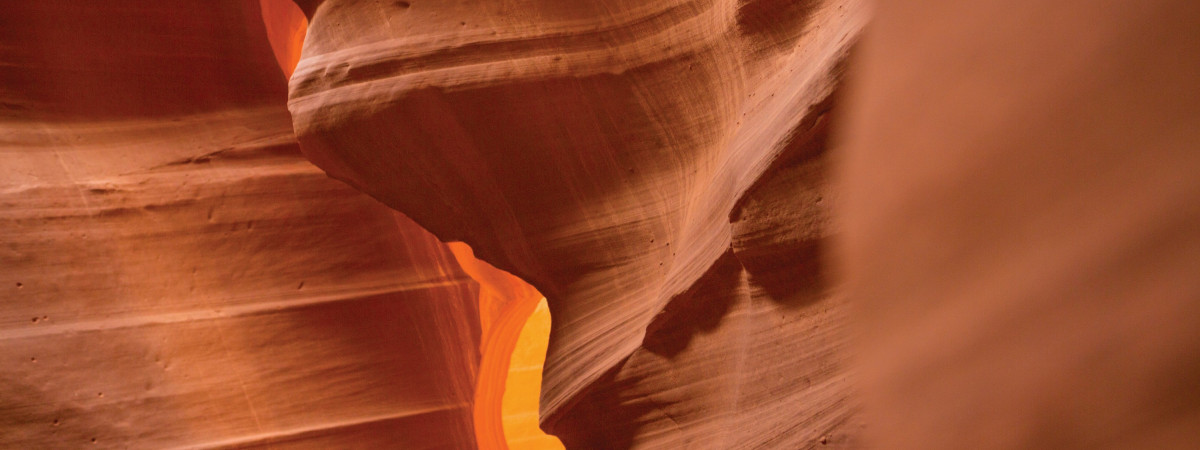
(1017, 219)
(175, 274)
(655, 168)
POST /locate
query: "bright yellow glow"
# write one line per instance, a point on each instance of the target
(515, 324)
(521, 389)
(513, 316)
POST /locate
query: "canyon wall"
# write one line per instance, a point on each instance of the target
(656, 168)
(1021, 211)
(173, 272)
(1014, 185)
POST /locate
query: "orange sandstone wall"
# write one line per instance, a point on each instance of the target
(507, 304)
(1022, 223)
(173, 273)
(286, 26)
(655, 168)
(515, 325)
(1017, 224)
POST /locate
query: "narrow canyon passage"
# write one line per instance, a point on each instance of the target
(176, 274)
(514, 318)
(345, 224)
(658, 169)
(515, 325)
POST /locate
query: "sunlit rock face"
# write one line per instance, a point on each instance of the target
(655, 168)
(514, 320)
(173, 273)
(286, 27)
(515, 324)
(1016, 202)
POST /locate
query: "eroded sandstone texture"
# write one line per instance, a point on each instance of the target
(1017, 211)
(173, 273)
(656, 168)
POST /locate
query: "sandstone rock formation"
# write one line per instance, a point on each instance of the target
(1016, 216)
(656, 168)
(1022, 223)
(173, 273)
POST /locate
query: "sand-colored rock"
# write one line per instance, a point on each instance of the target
(1016, 199)
(1016, 215)
(655, 168)
(173, 273)
(1022, 223)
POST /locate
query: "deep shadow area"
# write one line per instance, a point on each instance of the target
(699, 309)
(606, 416)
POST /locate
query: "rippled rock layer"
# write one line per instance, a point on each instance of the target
(174, 273)
(656, 168)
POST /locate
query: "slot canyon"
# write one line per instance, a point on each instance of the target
(599, 224)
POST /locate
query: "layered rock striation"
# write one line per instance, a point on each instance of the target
(656, 168)
(1016, 218)
(173, 272)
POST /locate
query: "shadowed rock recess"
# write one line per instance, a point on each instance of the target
(655, 168)
(174, 273)
(1009, 203)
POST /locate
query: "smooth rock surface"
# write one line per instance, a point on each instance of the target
(1013, 199)
(1021, 223)
(655, 168)
(173, 272)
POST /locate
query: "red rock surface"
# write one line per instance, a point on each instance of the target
(1015, 224)
(173, 273)
(1022, 223)
(655, 168)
